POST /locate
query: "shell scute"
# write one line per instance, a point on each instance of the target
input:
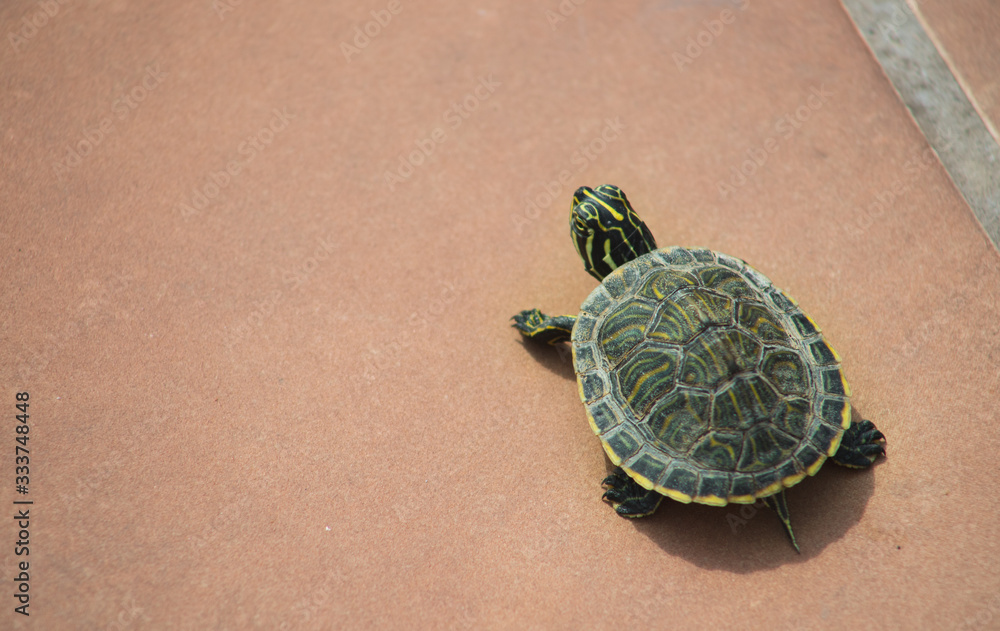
(706, 382)
(688, 314)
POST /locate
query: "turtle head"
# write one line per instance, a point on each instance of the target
(606, 231)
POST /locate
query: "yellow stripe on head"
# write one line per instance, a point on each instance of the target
(604, 225)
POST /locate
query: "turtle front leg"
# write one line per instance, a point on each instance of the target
(535, 325)
(629, 499)
(861, 445)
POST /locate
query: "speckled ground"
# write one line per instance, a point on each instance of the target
(260, 261)
(966, 33)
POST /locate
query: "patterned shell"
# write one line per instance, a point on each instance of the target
(706, 382)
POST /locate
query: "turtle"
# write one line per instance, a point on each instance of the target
(704, 382)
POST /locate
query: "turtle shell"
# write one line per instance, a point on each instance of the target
(704, 381)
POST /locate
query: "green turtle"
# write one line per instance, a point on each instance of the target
(704, 382)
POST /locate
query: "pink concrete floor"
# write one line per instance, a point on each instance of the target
(270, 385)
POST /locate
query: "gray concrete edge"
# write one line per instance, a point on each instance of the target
(937, 103)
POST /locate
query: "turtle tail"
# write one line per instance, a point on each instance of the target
(777, 503)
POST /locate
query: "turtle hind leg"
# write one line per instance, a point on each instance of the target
(861, 445)
(628, 497)
(535, 325)
(777, 503)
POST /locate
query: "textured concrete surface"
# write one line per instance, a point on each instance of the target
(966, 34)
(941, 103)
(270, 385)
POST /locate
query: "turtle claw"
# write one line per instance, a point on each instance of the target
(618, 488)
(628, 497)
(868, 433)
(617, 478)
(639, 507)
(615, 496)
(528, 320)
(535, 325)
(861, 445)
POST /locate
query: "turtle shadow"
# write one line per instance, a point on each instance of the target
(557, 359)
(750, 538)
(747, 538)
